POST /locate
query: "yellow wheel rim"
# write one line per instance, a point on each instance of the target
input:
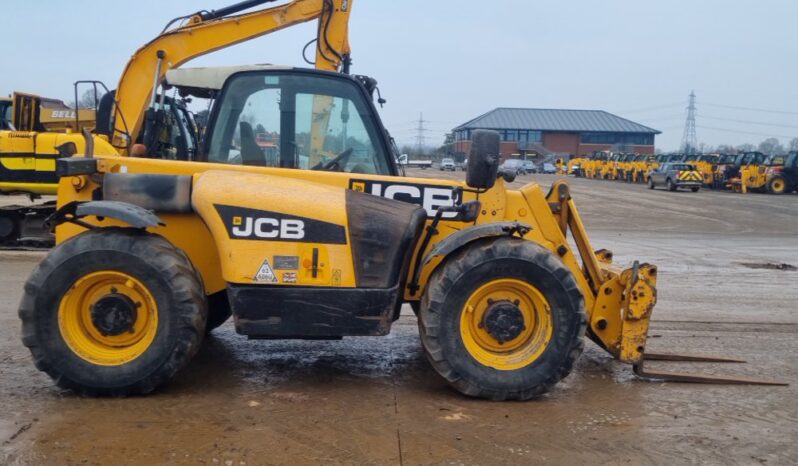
(78, 322)
(778, 185)
(526, 344)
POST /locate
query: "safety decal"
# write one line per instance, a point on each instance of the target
(430, 197)
(263, 225)
(289, 277)
(336, 277)
(265, 273)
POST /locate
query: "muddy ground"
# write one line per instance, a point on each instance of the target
(376, 401)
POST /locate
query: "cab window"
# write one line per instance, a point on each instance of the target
(5, 115)
(296, 121)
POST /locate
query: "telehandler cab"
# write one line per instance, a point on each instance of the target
(318, 237)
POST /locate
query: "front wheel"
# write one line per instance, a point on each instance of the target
(503, 319)
(695, 190)
(651, 184)
(113, 312)
(777, 185)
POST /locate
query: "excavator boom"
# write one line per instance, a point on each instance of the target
(206, 32)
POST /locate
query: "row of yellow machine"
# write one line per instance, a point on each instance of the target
(744, 172)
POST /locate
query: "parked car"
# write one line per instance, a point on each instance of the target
(513, 165)
(549, 169)
(530, 167)
(448, 164)
(676, 175)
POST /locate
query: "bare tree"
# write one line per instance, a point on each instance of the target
(771, 146)
(793, 144)
(746, 147)
(704, 148)
(88, 100)
(726, 149)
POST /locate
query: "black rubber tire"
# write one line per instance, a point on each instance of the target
(157, 264)
(451, 285)
(669, 185)
(695, 190)
(770, 189)
(651, 184)
(218, 304)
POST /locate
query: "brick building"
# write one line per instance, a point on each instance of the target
(532, 131)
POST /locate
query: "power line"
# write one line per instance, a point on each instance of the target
(661, 118)
(749, 122)
(750, 109)
(725, 130)
(648, 109)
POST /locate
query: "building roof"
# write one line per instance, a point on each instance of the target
(543, 119)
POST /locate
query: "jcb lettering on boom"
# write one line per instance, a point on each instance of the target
(430, 197)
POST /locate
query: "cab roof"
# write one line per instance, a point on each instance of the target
(207, 81)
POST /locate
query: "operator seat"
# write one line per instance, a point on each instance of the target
(251, 153)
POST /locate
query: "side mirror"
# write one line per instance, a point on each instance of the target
(483, 161)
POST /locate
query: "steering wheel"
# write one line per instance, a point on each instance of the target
(338, 162)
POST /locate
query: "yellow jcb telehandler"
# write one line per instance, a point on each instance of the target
(320, 238)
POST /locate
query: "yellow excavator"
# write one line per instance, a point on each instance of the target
(318, 237)
(135, 116)
(35, 132)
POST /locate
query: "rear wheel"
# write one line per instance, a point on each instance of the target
(113, 312)
(503, 319)
(669, 184)
(777, 185)
(695, 189)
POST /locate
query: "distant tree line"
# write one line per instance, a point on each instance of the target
(770, 146)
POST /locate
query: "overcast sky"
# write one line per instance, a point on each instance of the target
(453, 60)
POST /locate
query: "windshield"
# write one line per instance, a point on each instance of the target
(775, 160)
(682, 166)
(296, 120)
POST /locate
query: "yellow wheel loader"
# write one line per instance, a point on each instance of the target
(318, 237)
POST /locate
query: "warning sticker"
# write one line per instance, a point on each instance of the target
(289, 277)
(265, 274)
(336, 277)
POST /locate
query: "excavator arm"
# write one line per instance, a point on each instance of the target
(207, 32)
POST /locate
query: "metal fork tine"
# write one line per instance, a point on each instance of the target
(664, 376)
(688, 357)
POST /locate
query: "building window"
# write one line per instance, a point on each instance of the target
(638, 139)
